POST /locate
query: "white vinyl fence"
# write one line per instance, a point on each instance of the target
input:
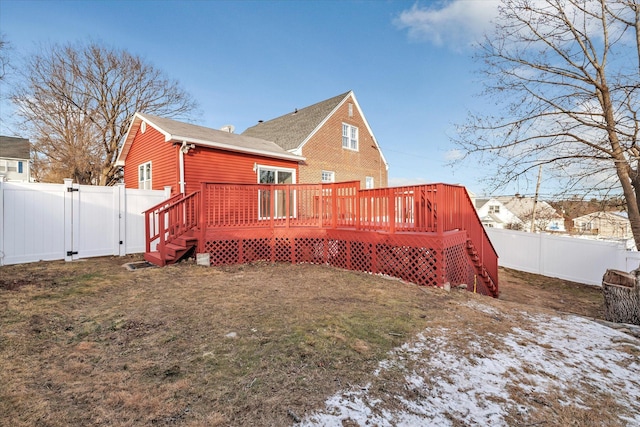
(70, 221)
(564, 257)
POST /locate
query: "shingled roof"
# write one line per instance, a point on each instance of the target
(14, 148)
(291, 130)
(174, 130)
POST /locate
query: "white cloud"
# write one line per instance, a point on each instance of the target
(452, 155)
(455, 24)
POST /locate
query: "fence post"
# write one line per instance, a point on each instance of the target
(68, 219)
(122, 219)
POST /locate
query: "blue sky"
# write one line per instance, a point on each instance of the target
(409, 63)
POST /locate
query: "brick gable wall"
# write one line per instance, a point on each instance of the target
(324, 152)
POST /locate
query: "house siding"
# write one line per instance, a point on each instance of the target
(324, 151)
(151, 146)
(203, 164)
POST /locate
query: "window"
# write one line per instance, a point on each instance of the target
(494, 209)
(3, 165)
(267, 175)
(144, 176)
(368, 183)
(12, 166)
(20, 167)
(349, 137)
(350, 110)
(328, 176)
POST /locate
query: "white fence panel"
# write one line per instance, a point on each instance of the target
(137, 202)
(32, 219)
(564, 257)
(98, 221)
(68, 221)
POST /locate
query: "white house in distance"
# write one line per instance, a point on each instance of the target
(14, 159)
(515, 212)
(604, 224)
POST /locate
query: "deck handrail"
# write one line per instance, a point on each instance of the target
(150, 220)
(171, 218)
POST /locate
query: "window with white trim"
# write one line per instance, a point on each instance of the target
(349, 137)
(369, 183)
(328, 176)
(494, 209)
(144, 176)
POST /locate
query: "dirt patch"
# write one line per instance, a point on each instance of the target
(551, 293)
(259, 344)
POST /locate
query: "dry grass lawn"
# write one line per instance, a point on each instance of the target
(91, 343)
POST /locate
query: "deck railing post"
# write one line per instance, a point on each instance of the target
(272, 204)
(202, 222)
(334, 206)
(357, 204)
(147, 231)
(391, 210)
(437, 208)
(287, 205)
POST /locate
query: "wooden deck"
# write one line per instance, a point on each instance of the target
(425, 234)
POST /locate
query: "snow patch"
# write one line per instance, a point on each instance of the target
(549, 354)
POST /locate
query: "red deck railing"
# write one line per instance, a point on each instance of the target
(172, 218)
(421, 209)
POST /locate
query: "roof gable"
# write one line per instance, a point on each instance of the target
(14, 148)
(603, 215)
(199, 135)
(522, 207)
(291, 130)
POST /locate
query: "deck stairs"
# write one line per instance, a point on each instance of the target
(173, 251)
(481, 271)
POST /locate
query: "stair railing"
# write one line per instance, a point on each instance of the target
(171, 219)
(151, 223)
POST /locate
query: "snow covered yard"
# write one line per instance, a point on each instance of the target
(527, 369)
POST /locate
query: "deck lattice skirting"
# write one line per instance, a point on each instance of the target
(436, 237)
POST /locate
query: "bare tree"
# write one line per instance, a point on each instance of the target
(78, 101)
(4, 56)
(567, 76)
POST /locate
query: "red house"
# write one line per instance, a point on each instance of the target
(160, 152)
(238, 199)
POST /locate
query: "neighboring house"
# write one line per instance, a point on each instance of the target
(604, 224)
(160, 152)
(546, 217)
(516, 212)
(494, 214)
(335, 139)
(14, 159)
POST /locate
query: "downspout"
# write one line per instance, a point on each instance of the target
(182, 150)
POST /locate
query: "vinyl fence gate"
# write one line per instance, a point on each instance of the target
(70, 221)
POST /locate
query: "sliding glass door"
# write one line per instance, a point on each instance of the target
(268, 175)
